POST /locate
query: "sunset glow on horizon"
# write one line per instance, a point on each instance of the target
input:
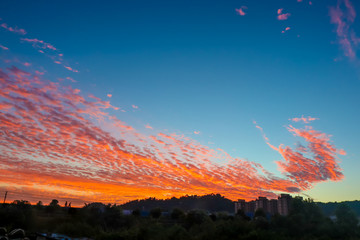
(114, 122)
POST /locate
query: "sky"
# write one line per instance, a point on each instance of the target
(115, 101)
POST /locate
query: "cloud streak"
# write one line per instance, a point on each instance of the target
(303, 119)
(13, 29)
(3, 47)
(343, 16)
(56, 142)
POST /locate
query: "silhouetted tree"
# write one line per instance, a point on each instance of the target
(54, 203)
(155, 213)
(136, 212)
(346, 220)
(260, 213)
(177, 214)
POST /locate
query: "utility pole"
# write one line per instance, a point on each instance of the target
(5, 196)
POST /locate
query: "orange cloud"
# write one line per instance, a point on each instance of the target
(109, 95)
(303, 119)
(323, 164)
(56, 143)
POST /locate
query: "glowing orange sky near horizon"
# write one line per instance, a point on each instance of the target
(56, 143)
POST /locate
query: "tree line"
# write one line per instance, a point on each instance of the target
(306, 220)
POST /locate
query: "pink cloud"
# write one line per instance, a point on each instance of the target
(76, 91)
(323, 165)
(39, 73)
(197, 132)
(303, 119)
(262, 131)
(109, 95)
(240, 10)
(343, 16)
(148, 126)
(26, 64)
(282, 16)
(70, 69)
(49, 128)
(15, 29)
(39, 43)
(286, 29)
(3, 47)
(134, 106)
(71, 79)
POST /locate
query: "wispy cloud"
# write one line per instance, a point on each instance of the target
(3, 47)
(343, 16)
(39, 43)
(134, 106)
(57, 140)
(109, 95)
(282, 16)
(304, 119)
(262, 131)
(71, 79)
(240, 10)
(13, 29)
(71, 69)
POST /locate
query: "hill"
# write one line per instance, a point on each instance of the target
(211, 202)
(330, 207)
(215, 203)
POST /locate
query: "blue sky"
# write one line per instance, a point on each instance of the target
(202, 67)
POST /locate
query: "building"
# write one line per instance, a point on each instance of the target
(273, 206)
(250, 207)
(262, 202)
(240, 205)
(284, 201)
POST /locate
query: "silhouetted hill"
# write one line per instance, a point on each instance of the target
(330, 207)
(211, 202)
(215, 203)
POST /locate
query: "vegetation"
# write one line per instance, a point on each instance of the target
(107, 222)
(211, 202)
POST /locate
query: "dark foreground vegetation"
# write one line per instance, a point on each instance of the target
(98, 221)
